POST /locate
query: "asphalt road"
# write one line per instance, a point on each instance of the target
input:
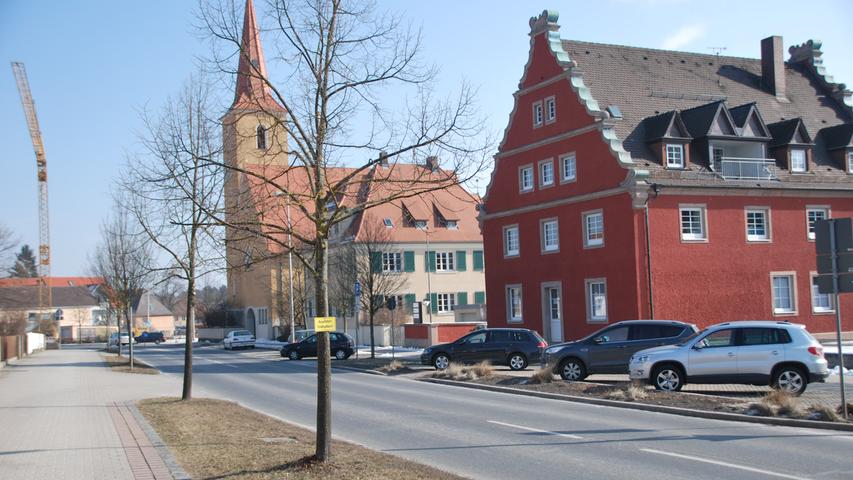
(501, 436)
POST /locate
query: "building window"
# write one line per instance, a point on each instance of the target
(717, 153)
(388, 223)
(675, 156)
(593, 229)
(784, 296)
(261, 133)
(814, 214)
(546, 173)
(569, 168)
(392, 262)
(446, 302)
(757, 225)
(798, 160)
(525, 178)
(550, 236)
(596, 300)
(550, 109)
(537, 114)
(511, 241)
(850, 162)
(821, 302)
(444, 261)
(693, 223)
(513, 303)
(451, 225)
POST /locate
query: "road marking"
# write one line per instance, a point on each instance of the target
(548, 432)
(217, 361)
(723, 464)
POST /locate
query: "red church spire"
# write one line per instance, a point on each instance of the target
(251, 92)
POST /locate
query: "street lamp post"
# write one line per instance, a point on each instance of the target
(429, 286)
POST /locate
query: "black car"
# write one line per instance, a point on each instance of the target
(147, 337)
(609, 349)
(341, 345)
(515, 347)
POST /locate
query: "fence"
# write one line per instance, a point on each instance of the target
(35, 342)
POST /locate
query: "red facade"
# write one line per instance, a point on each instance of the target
(720, 277)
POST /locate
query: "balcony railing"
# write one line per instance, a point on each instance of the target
(734, 168)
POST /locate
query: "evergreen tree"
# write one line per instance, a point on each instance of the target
(25, 264)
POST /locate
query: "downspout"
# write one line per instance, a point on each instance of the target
(655, 189)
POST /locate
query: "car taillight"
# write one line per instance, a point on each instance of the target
(816, 351)
(543, 345)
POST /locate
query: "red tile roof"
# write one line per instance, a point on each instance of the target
(52, 281)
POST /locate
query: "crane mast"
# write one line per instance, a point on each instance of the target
(45, 300)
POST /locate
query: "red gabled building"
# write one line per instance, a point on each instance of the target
(642, 183)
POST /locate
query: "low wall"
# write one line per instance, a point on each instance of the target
(215, 333)
(12, 348)
(36, 342)
(425, 334)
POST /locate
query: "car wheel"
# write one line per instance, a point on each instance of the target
(572, 369)
(294, 355)
(252, 347)
(517, 361)
(668, 378)
(340, 354)
(224, 346)
(440, 361)
(791, 380)
(156, 342)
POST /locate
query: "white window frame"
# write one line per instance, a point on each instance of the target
(543, 166)
(392, 262)
(592, 316)
(513, 298)
(386, 221)
(830, 299)
(753, 211)
(445, 303)
(568, 174)
(797, 169)
(782, 311)
(522, 170)
(677, 147)
(691, 237)
(550, 109)
(544, 226)
(849, 161)
(810, 234)
(589, 242)
(445, 261)
(507, 251)
(538, 114)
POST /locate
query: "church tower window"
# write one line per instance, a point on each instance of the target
(262, 137)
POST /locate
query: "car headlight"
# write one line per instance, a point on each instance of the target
(640, 359)
(552, 350)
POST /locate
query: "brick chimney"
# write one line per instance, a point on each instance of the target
(383, 158)
(432, 163)
(773, 65)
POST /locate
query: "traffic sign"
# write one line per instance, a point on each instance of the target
(392, 303)
(357, 288)
(416, 313)
(824, 283)
(324, 324)
(843, 236)
(845, 264)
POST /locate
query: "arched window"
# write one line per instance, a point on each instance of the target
(262, 137)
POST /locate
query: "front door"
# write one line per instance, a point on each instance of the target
(552, 312)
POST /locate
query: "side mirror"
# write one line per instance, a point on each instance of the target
(699, 345)
(599, 340)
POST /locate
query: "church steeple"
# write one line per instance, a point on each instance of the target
(251, 92)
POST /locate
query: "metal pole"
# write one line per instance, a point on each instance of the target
(429, 286)
(837, 316)
(357, 298)
(290, 271)
(129, 334)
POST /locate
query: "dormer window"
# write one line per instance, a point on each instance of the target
(452, 225)
(537, 114)
(388, 223)
(421, 224)
(798, 160)
(674, 156)
(261, 134)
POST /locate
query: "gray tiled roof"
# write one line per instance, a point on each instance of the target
(27, 297)
(646, 82)
(140, 306)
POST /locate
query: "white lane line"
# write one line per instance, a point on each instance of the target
(548, 432)
(217, 361)
(723, 464)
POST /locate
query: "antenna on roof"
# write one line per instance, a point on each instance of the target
(717, 51)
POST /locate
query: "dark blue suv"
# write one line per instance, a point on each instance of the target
(514, 347)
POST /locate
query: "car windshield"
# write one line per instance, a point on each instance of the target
(691, 337)
(242, 333)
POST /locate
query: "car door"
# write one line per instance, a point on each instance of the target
(470, 347)
(308, 347)
(496, 349)
(759, 349)
(714, 356)
(607, 350)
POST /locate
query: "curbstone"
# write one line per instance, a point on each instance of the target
(171, 462)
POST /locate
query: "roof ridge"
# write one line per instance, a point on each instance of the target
(663, 50)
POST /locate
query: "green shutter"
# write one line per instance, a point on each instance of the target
(478, 260)
(410, 300)
(462, 298)
(480, 297)
(409, 261)
(433, 302)
(460, 261)
(429, 261)
(375, 262)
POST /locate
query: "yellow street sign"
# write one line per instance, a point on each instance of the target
(324, 324)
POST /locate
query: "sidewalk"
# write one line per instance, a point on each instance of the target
(62, 417)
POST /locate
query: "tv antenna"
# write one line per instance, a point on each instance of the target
(717, 51)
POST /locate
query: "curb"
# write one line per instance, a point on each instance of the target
(687, 412)
(171, 462)
(360, 370)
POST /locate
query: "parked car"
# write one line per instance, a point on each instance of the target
(781, 354)
(514, 347)
(238, 339)
(609, 349)
(148, 337)
(114, 339)
(341, 345)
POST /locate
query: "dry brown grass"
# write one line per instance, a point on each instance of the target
(760, 409)
(784, 404)
(462, 373)
(122, 364)
(823, 413)
(218, 439)
(630, 393)
(543, 375)
(393, 366)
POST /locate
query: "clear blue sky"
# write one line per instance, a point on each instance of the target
(94, 64)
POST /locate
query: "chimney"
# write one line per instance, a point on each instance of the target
(383, 158)
(432, 163)
(773, 65)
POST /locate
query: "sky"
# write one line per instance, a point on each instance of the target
(94, 65)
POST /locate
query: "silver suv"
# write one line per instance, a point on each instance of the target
(781, 354)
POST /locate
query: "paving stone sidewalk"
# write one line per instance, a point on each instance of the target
(63, 416)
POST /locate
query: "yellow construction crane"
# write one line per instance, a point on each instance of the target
(45, 300)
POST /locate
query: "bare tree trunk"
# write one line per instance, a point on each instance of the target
(324, 356)
(188, 342)
(372, 339)
(129, 314)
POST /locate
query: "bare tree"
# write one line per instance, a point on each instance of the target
(168, 291)
(175, 188)
(13, 322)
(123, 260)
(344, 68)
(8, 243)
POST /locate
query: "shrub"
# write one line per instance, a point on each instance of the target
(617, 394)
(784, 404)
(823, 413)
(391, 367)
(543, 375)
(483, 370)
(849, 409)
(460, 373)
(629, 394)
(760, 409)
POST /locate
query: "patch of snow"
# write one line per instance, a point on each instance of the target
(271, 344)
(847, 371)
